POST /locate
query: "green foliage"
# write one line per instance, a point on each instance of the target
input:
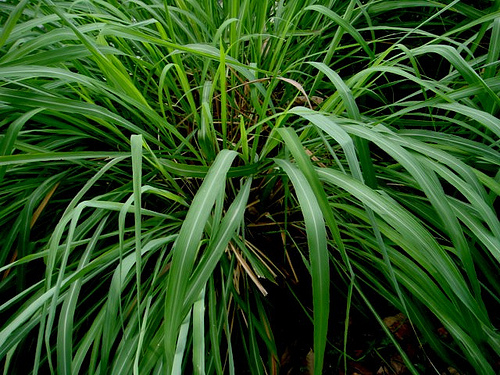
(147, 148)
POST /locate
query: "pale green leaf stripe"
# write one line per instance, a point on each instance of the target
(143, 327)
(206, 134)
(223, 97)
(319, 257)
(181, 346)
(60, 156)
(216, 321)
(136, 150)
(254, 361)
(16, 338)
(186, 247)
(199, 335)
(217, 245)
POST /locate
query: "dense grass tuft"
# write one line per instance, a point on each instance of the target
(170, 170)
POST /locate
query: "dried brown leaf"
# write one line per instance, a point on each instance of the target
(310, 362)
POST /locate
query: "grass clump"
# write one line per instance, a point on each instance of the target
(169, 168)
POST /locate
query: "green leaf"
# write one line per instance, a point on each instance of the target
(187, 245)
(318, 254)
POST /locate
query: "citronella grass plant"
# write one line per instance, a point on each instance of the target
(148, 147)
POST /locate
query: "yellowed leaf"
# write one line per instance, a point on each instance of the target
(310, 362)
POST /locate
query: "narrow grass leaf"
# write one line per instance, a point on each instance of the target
(66, 318)
(199, 350)
(9, 25)
(219, 243)
(136, 150)
(181, 345)
(318, 253)
(186, 247)
(344, 24)
(10, 137)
